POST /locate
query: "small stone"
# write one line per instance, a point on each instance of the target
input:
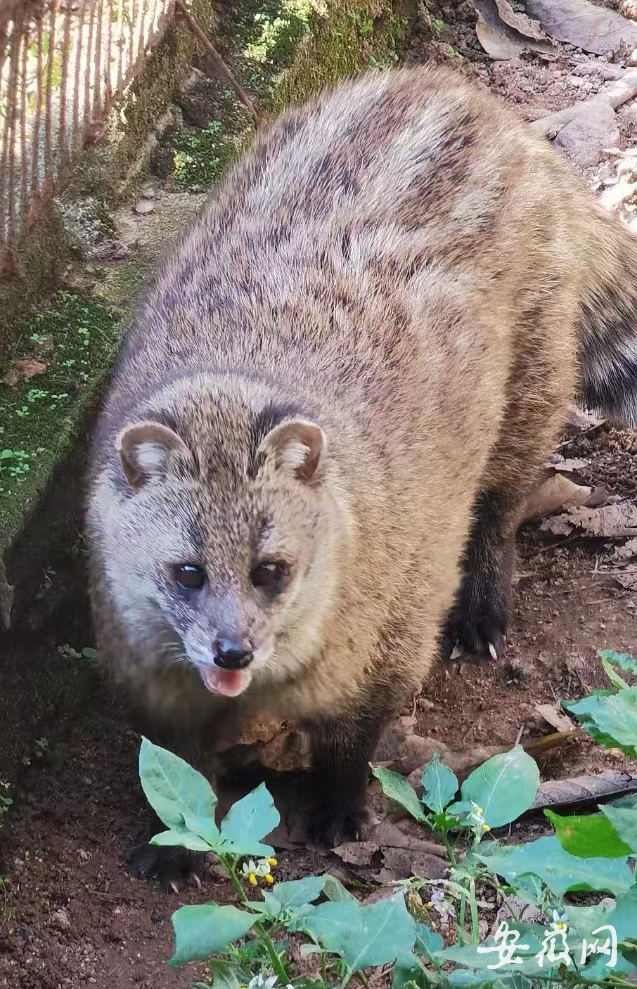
(143, 206)
(148, 192)
(61, 920)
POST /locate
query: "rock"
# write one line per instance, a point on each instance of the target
(61, 920)
(143, 206)
(585, 137)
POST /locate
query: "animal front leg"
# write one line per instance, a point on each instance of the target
(342, 749)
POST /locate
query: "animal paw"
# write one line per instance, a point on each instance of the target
(326, 826)
(477, 625)
(172, 866)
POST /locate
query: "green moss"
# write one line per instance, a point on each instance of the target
(200, 156)
(76, 339)
(39, 269)
(352, 36)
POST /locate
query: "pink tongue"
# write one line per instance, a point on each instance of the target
(230, 683)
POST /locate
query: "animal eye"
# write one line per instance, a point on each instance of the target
(190, 576)
(270, 575)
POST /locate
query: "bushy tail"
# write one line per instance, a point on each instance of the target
(608, 328)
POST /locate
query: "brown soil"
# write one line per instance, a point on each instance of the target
(70, 915)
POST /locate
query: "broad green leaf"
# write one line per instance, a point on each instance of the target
(439, 785)
(546, 859)
(622, 815)
(620, 659)
(298, 892)
(588, 835)
(224, 975)
(463, 978)
(427, 941)
(247, 822)
(609, 718)
(613, 675)
(182, 837)
(205, 827)
(504, 786)
(363, 936)
(409, 972)
(398, 789)
(172, 787)
(335, 890)
(624, 919)
(204, 929)
(527, 946)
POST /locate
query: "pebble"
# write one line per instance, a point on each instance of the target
(143, 206)
(61, 920)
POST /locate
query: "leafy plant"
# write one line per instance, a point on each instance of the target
(248, 944)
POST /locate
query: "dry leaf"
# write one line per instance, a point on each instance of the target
(23, 370)
(584, 789)
(504, 34)
(585, 25)
(616, 521)
(554, 717)
(396, 853)
(568, 466)
(582, 420)
(626, 552)
(627, 579)
(556, 492)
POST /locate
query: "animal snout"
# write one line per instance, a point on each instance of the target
(233, 654)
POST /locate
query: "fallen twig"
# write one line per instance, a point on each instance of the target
(220, 66)
(615, 94)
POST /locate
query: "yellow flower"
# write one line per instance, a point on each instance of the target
(272, 862)
(268, 878)
(485, 827)
(252, 879)
(430, 904)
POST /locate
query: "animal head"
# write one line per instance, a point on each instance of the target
(222, 535)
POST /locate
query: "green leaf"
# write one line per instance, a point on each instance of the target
(224, 975)
(182, 837)
(620, 659)
(588, 835)
(298, 892)
(624, 919)
(622, 815)
(546, 859)
(427, 941)
(409, 972)
(613, 676)
(363, 936)
(398, 789)
(504, 786)
(609, 718)
(172, 787)
(204, 929)
(247, 822)
(335, 890)
(439, 785)
(205, 827)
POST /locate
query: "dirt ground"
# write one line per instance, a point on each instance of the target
(71, 916)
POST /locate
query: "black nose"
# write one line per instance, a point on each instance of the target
(232, 655)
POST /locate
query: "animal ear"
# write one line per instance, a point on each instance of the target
(298, 446)
(144, 449)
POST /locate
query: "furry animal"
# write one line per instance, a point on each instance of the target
(332, 403)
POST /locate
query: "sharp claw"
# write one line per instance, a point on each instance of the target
(174, 887)
(456, 653)
(196, 880)
(492, 651)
